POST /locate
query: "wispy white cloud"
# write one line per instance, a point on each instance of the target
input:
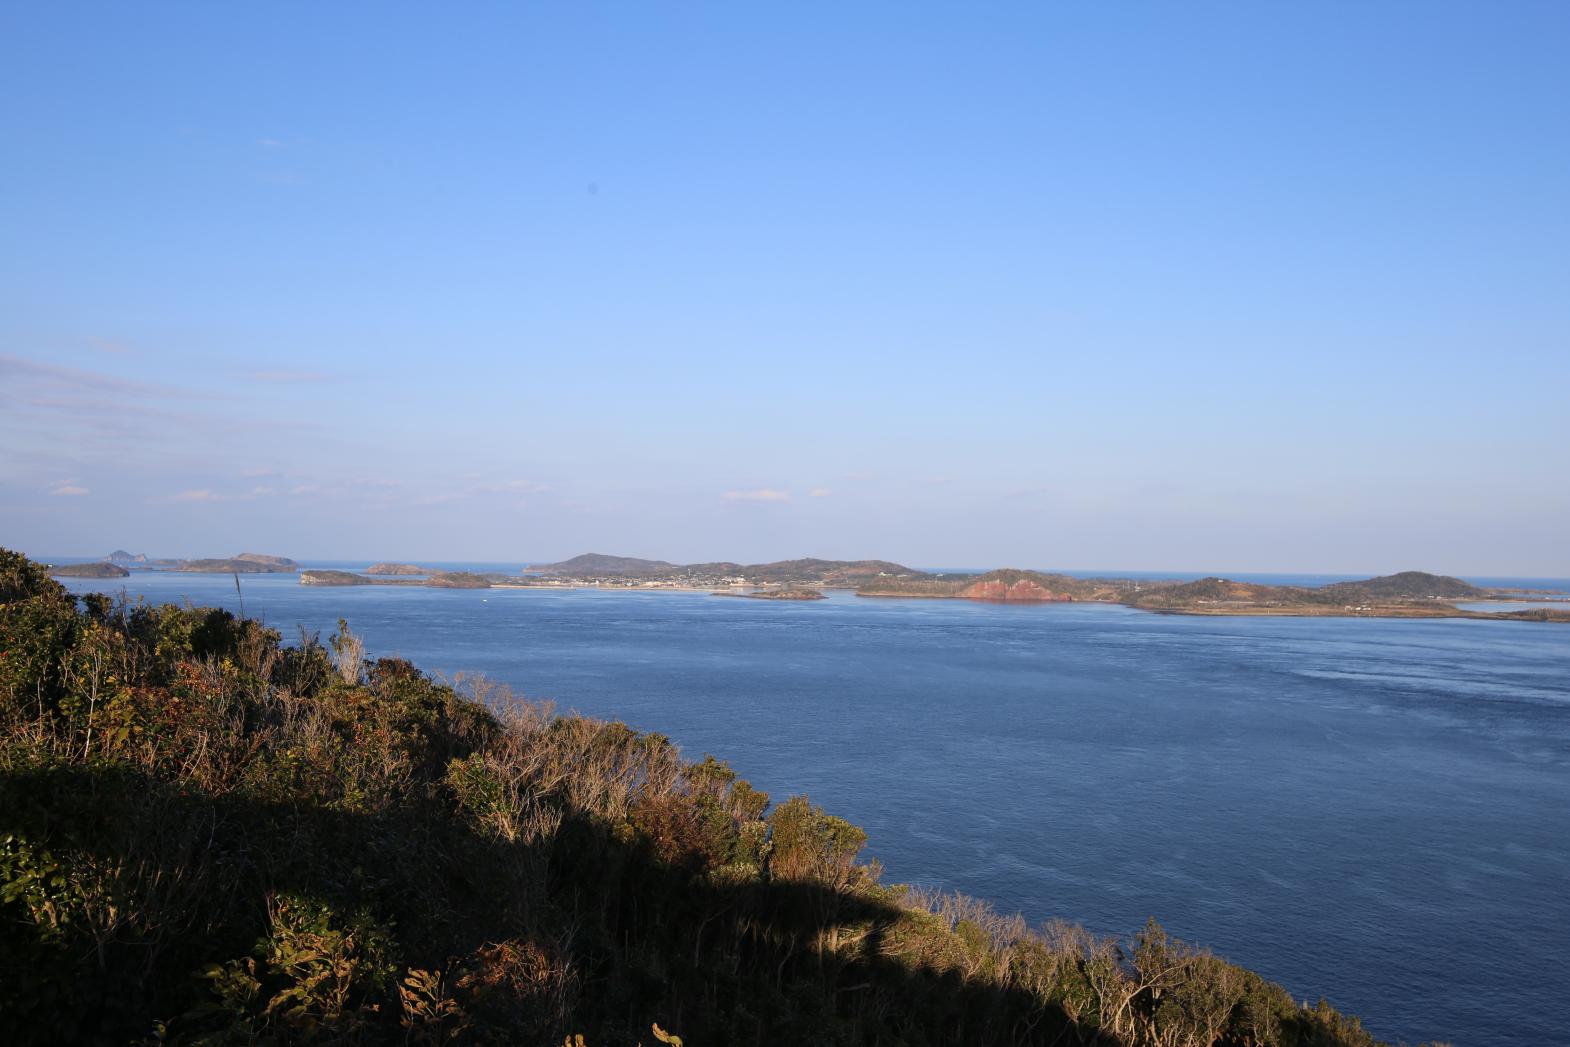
(820, 492)
(67, 489)
(197, 494)
(762, 494)
(271, 143)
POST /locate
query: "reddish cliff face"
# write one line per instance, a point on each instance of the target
(1020, 590)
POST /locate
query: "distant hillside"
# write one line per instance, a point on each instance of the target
(1408, 594)
(278, 563)
(1408, 585)
(120, 556)
(89, 570)
(1005, 583)
(458, 580)
(244, 563)
(830, 572)
(599, 565)
(1222, 592)
(395, 568)
(334, 578)
(807, 571)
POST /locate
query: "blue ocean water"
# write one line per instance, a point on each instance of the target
(1371, 810)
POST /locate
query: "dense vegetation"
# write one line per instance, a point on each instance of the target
(207, 836)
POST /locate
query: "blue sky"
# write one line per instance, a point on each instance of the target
(1182, 286)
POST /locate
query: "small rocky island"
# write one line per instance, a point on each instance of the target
(320, 577)
(438, 580)
(395, 569)
(102, 569)
(772, 594)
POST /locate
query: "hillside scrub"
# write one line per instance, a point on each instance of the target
(208, 836)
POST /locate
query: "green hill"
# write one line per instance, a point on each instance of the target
(244, 563)
(322, 577)
(207, 837)
(601, 565)
(1408, 585)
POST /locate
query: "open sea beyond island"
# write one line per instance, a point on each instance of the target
(1376, 810)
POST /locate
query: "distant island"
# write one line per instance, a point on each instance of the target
(772, 594)
(89, 570)
(593, 568)
(395, 569)
(436, 580)
(322, 577)
(240, 563)
(1006, 584)
(1407, 594)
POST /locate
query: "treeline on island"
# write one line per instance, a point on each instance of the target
(208, 836)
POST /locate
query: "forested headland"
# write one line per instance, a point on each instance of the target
(209, 836)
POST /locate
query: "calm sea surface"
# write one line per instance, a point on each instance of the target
(1375, 811)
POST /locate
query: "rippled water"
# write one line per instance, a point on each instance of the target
(1375, 811)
